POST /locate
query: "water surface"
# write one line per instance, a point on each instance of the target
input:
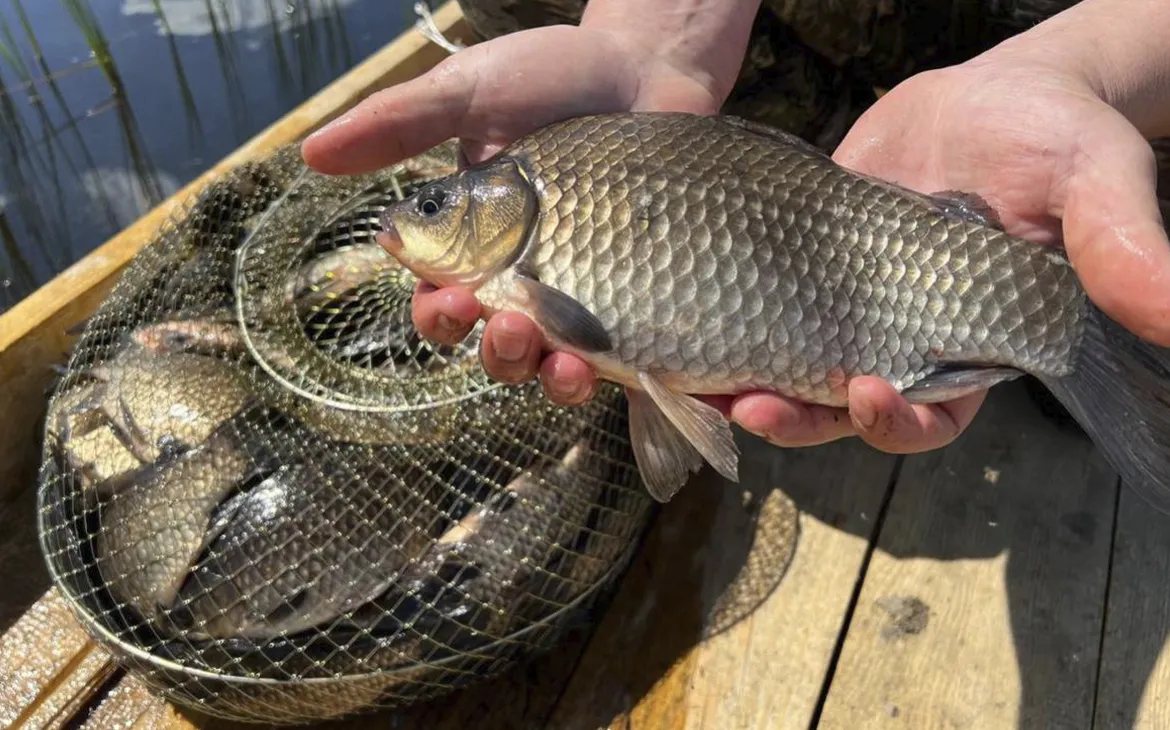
(107, 107)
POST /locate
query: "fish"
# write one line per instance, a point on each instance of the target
(150, 403)
(155, 526)
(308, 542)
(345, 268)
(506, 546)
(442, 159)
(537, 540)
(214, 335)
(682, 255)
(348, 300)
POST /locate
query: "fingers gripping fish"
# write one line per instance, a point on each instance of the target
(681, 254)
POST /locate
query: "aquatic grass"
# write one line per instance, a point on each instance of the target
(326, 49)
(230, 73)
(10, 51)
(17, 274)
(304, 41)
(327, 21)
(194, 122)
(19, 160)
(50, 78)
(284, 70)
(138, 156)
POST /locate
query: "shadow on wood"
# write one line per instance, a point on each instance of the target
(1020, 506)
(26, 577)
(1134, 676)
(722, 625)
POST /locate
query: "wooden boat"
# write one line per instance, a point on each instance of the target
(1003, 582)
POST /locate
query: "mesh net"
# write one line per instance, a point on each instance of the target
(273, 500)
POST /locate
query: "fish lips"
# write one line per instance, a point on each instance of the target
(388, 238)
(391, 241)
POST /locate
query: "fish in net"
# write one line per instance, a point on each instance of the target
(274, 501)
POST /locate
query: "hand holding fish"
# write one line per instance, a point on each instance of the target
(1045, 136)
(648, 55)
(1040, 139)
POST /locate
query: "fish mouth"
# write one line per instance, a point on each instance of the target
(391, 241)
(389, 238)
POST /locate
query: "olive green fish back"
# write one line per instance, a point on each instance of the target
(272, 500)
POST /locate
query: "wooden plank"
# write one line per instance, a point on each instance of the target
(33, 333)
(1133, 692)
(131, 706)
(26, 577)
(49, 668)
(731, 613)
(982, 607)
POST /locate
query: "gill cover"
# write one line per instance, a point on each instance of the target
(464, 228)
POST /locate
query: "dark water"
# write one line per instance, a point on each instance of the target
(104, 112)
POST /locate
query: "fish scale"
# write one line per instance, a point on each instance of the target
(909, 288)
(682, 254)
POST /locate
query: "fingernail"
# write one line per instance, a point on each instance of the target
(761, 433)
(863, 413)
(447, 325)
(509, 346)
(571, 391)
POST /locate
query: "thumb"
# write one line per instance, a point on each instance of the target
(393, 124)
(1113, 227)
(489, 94)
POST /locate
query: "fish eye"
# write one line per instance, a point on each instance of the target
(430, 201)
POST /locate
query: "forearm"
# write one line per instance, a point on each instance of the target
(704, 38)
(1121, 47)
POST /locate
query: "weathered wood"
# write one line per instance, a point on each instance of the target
(131, 706)
(982, 606)
(730, 615)
(1133, 691)
(26, 578)
(49, 668)
(33, 333)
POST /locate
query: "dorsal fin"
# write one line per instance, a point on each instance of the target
(774, 133)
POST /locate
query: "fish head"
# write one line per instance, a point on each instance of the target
(464, 228)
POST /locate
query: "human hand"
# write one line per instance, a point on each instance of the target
(495, 92)
(1055, 162)
(1034, 139)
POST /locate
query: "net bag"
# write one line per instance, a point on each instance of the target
(273, 501)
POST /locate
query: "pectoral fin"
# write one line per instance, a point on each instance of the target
(673, 433)
(565, 317)
(127, 429)
(955, 382)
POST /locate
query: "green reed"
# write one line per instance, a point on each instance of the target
(138, 156)
(194, 123)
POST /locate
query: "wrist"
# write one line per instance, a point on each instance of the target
(702, 39)
(1119, 49)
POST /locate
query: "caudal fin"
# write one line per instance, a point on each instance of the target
(1120, 395)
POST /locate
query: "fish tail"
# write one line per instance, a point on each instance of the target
(1119, 393)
